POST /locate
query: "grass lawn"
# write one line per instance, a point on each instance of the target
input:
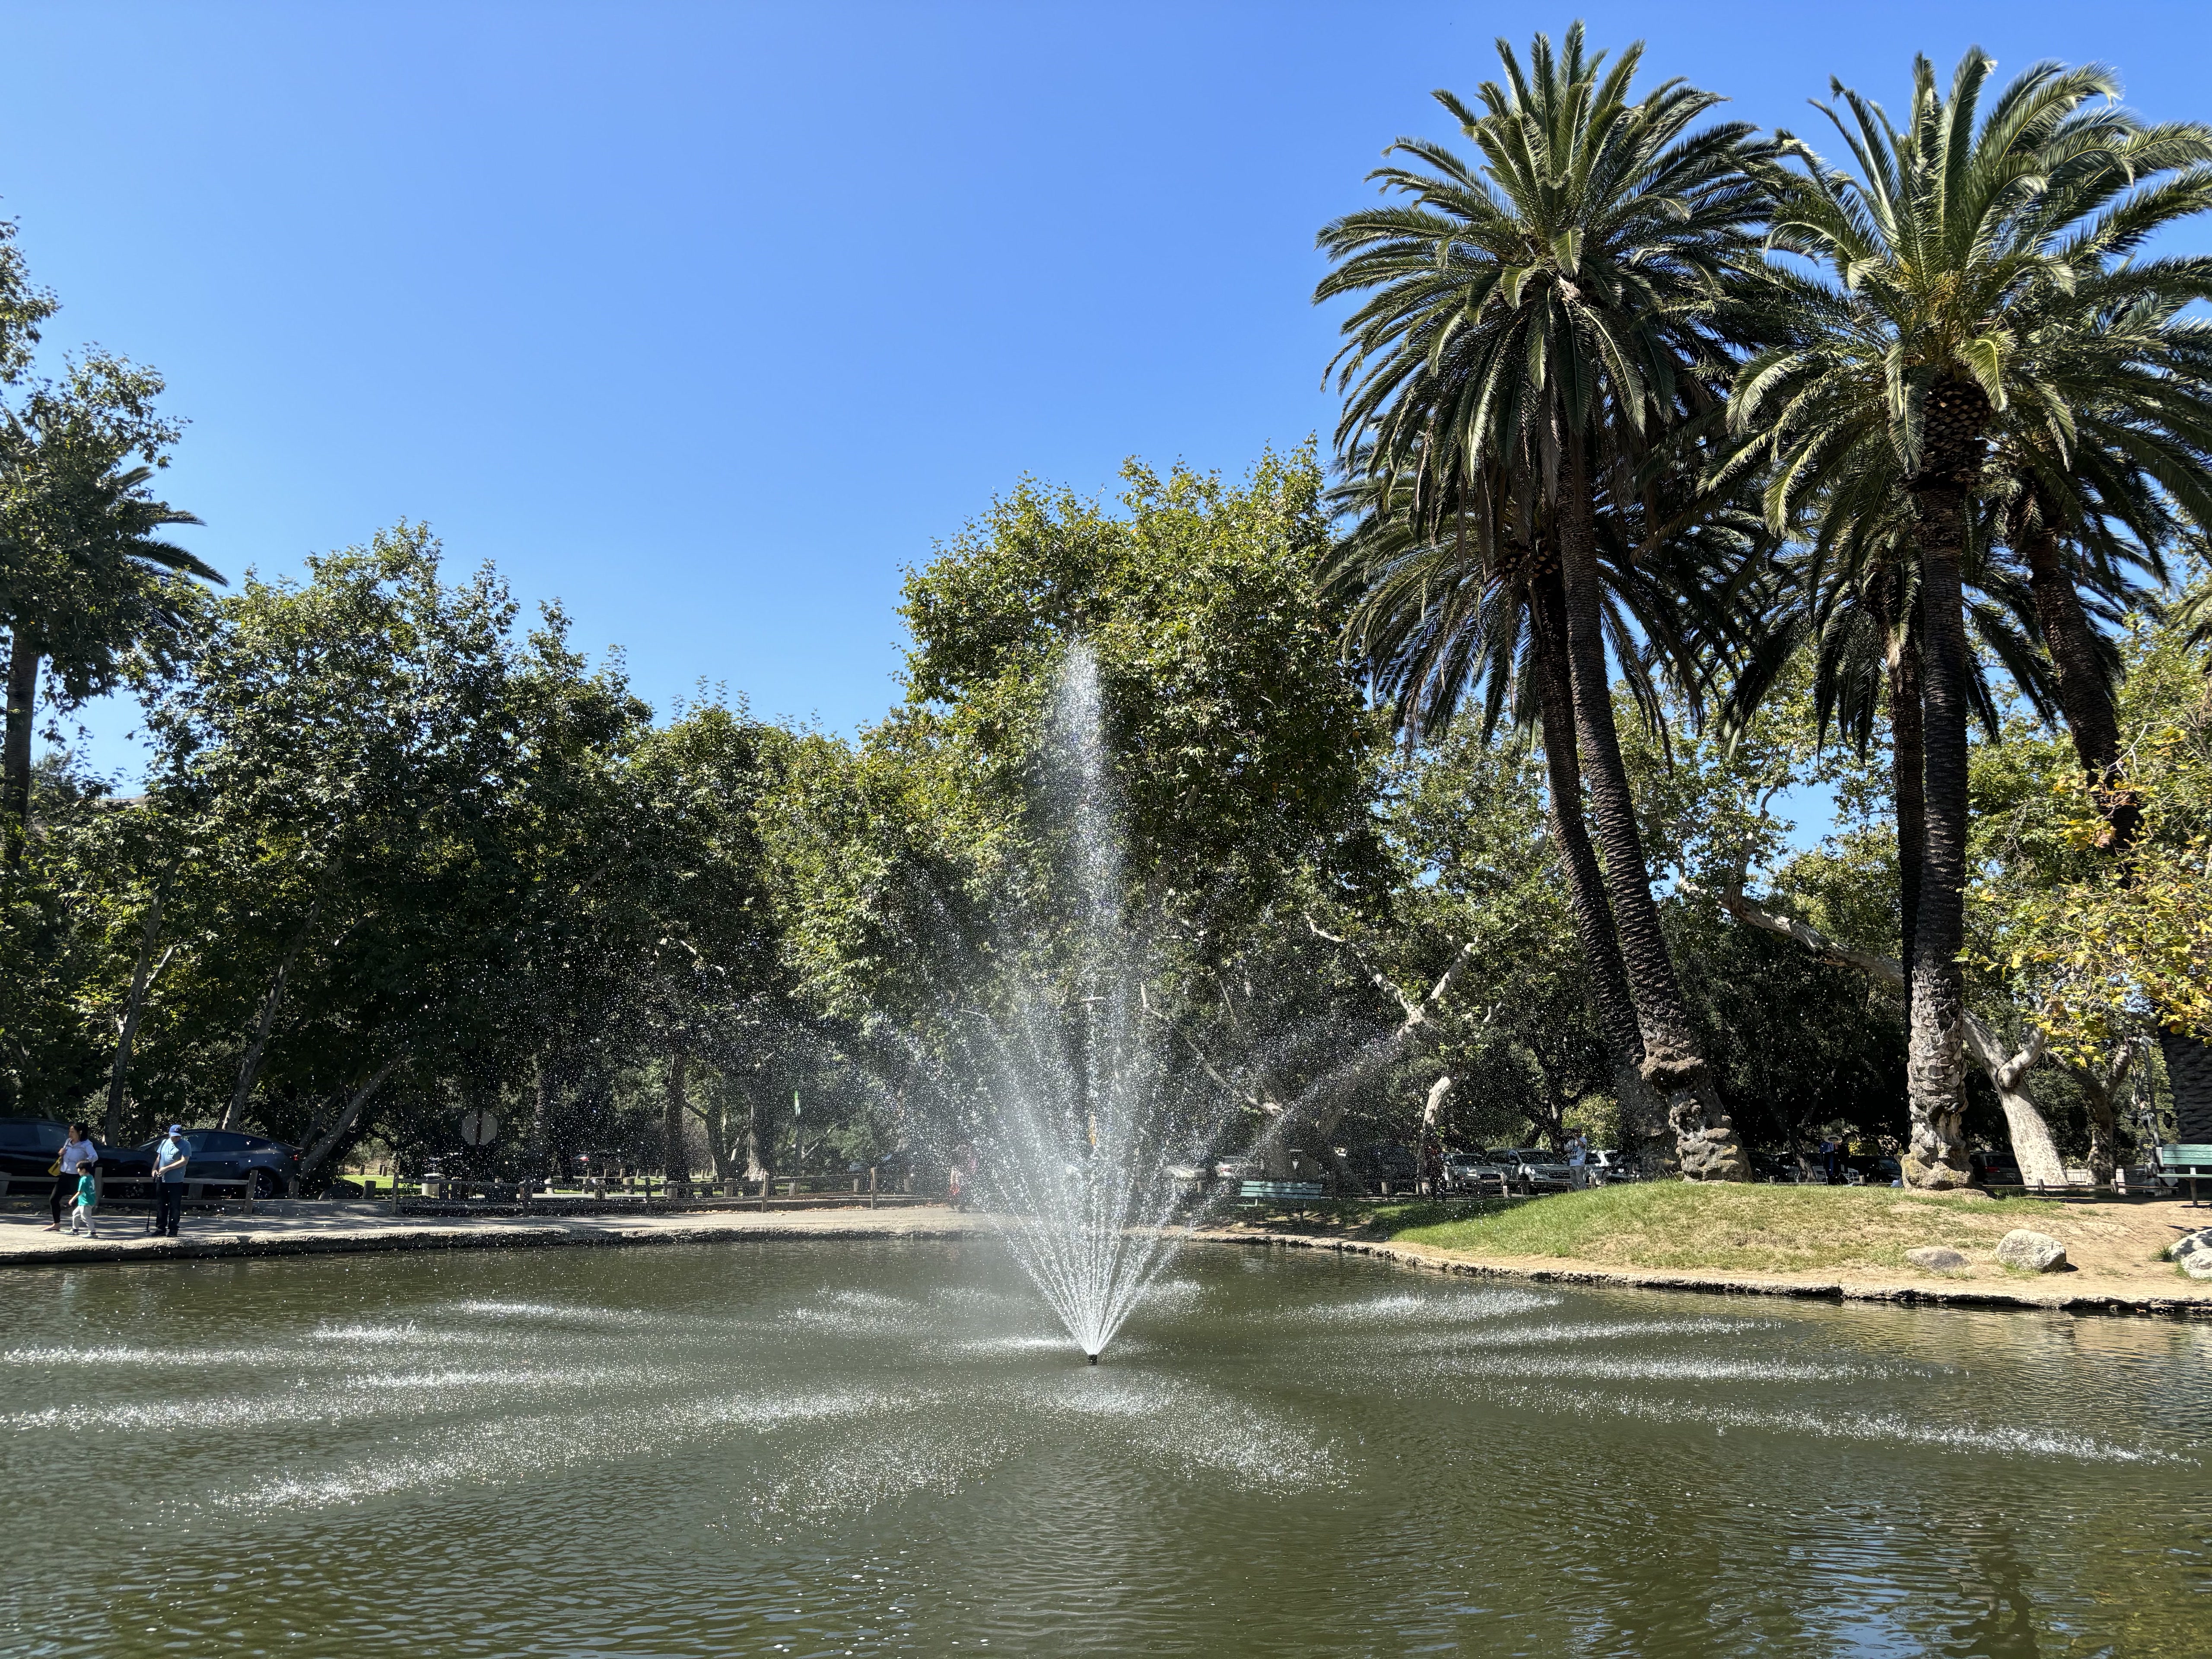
(1756, 1229)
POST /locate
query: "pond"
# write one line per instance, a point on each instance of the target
(819, 1448)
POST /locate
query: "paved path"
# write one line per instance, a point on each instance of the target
(318, 1228)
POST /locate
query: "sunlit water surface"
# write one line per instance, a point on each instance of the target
(830, 1449)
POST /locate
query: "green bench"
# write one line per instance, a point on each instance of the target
(2184, 1162)
(1279, 1195)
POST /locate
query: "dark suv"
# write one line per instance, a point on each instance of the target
(29, 1145)
(219, 1155)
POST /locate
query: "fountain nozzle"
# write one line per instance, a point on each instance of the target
(1094, 1359)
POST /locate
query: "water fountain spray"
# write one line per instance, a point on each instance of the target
(1076, 1112)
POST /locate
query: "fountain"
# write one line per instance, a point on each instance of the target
(1076, 1117)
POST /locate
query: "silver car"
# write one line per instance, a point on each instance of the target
(1532, 1169)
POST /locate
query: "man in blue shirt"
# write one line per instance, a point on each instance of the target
(169, 1160)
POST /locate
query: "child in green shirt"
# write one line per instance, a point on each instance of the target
(87, 1200)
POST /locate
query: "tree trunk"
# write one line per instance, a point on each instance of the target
(23, 660)
(324, 1147)
(249, 1069)
(1908, 764)
(1935, 1155)
(1643, 1127)
(676, 1162)
(757, 1167)
(2033, 1148)
(2040, 1163)
(545, 1152)
(2085, 696)
(1323, 1104)
(141, 976)
(2103, 1139)
(1704, 1139)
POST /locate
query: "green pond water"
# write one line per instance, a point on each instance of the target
(832, 1448)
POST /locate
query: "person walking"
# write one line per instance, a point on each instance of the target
(1578, 1160)
(78, 1154)
(169, 1160)
(87, 1200)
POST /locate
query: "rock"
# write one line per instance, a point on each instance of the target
(2037, 1252)
(2194, 1252)
(1938, 1259)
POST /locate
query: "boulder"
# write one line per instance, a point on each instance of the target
(2038, 1253)
(1938, 1259)
(2194, 1252)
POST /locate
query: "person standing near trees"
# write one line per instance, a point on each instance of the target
(78, 1155)
(169, 1161)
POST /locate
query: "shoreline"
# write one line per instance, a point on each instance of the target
(25, 1244)
(2044, 1295)
(352, 1233)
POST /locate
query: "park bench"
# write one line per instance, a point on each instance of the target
(1279, 1195)
(2184, 1162)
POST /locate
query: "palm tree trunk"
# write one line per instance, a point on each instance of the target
(1908, 787)
(2085, 697)
(1936, 1155)
(1643, 1115)
(1704, 1138)
(23, 659)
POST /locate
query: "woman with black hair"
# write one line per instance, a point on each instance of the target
(78, 1155)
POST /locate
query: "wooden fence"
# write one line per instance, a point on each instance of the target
(134, 1190)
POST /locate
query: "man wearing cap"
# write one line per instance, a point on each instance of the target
(169, 1160)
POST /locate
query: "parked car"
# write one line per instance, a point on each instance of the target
(1604, 1164)
(1531, 1168)
(1386, 1161)
(1995, 1169)
(1470, 1168)
(219, 1155)
(1877, 1171)
(28, 1145)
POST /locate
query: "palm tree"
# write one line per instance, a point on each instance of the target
(1564, 299)
(1436, 620)
(85, 576)
(1849, 593)
(1941, 270)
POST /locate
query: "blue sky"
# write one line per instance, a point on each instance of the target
(705, 320)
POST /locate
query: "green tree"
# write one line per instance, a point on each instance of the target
(1236, 741)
